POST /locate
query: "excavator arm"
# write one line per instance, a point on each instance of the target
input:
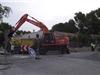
(24, 19)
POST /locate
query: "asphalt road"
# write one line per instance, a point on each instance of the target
(79, 63)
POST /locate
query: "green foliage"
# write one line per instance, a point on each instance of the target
(4, 11)
(58, 27)
(73, 39)
(3, 28)
(19, 32)
(88, 23)
(84, 39)
(65, 27)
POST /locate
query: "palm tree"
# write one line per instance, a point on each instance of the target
(4, 11)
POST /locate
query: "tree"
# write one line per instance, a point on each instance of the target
(3, 28)
(4, 11)
(65, 27)
(58, 27)
(93, 21)
(80, 19)
(19, 32)
(83, 30)
(72, 28)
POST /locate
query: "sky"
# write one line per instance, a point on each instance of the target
(49, 12)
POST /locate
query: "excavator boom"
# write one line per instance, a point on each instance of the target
(34, 21)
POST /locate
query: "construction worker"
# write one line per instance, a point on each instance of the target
(93, 46)
(38, 47)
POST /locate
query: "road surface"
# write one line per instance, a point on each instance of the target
(79, 63)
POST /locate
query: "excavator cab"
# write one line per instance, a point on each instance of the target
(48, 38)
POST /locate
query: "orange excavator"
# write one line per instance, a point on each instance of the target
(48, 41)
